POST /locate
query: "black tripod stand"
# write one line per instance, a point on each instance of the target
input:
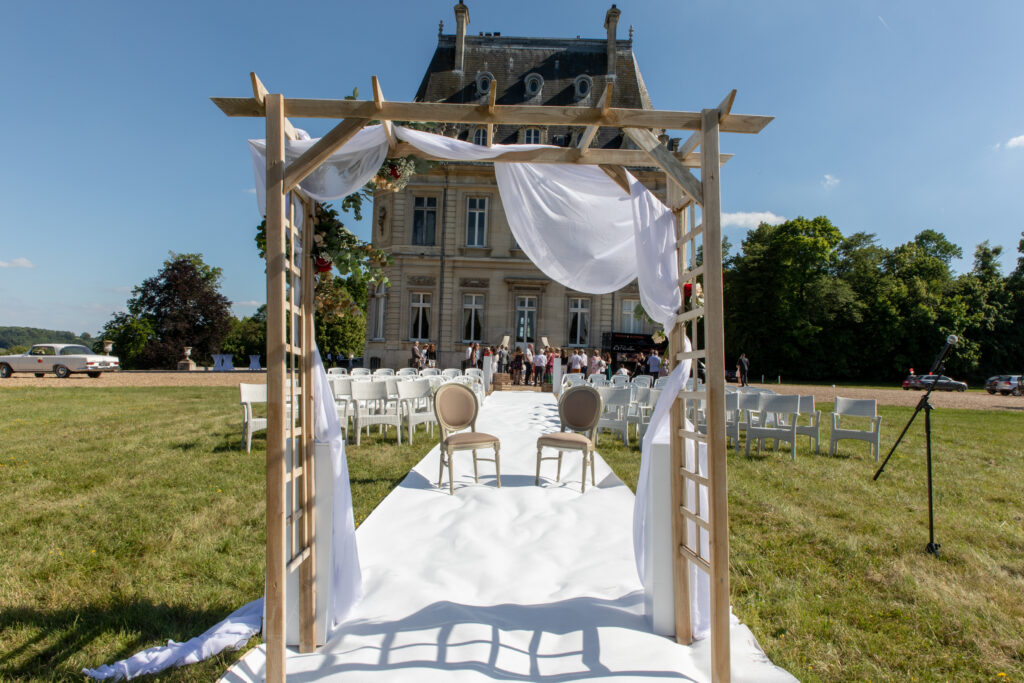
(925, 404)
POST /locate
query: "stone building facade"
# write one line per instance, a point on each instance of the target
(458, 275)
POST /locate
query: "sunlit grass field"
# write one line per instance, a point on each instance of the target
(131, 516)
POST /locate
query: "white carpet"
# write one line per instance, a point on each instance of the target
(522, 583)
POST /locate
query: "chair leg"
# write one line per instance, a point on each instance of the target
(451, 474)
(536, 482)
(497, 463)
(590, 454)
(476, 473)
(558, 475)
(583, 479)
(440, 472)
(748, 445)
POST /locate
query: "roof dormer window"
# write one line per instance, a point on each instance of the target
(480, 137)
(583, 85)
(531, 136)
(484, 80)
(534, 83)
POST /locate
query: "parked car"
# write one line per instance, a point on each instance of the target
(942, 383)
(1008, 384)
(60, 359)
(911, 382)
(992, 383)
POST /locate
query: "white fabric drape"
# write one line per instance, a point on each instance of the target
(576, 225)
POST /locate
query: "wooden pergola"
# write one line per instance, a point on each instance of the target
(291, 536)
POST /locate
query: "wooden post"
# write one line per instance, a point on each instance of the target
(677, 445)
(307, 524)
(714, 335)
(274, 628)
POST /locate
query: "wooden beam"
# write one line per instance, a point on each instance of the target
(714, 331)
(690, 145)
(726, 105)
(521, 114)
(491, 99)
(618, 174)
(274, 628)
(378, 100)
(259, 92)
(590, 131)
(307, 525)
(318, 153)
(571, 155)
(649, 143)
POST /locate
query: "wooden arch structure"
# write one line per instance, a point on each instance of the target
(290, 479)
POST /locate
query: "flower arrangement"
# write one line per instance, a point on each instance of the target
(394, 174)
(693, 296)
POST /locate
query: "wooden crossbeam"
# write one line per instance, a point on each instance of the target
(588, 134)
(378, 100)
(491, 100)
(618, 174)
(259, 92)
(571, 155)
(318, 153)
(649, 143)
(522, 114)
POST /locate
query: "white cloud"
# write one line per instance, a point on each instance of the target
(751, 219)
(829, 181)
(884, 24)
(252, 302)
(251, 190)
(1015, 142)
(19, 262)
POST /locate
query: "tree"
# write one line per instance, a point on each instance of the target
(180, 306)
(247, 337)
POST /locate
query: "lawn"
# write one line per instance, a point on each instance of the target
(130, 516)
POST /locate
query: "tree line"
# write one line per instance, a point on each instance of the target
(805, 302)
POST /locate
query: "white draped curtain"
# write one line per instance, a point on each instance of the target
(577, 226)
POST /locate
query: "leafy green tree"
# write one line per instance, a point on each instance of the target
(247, 337)
(130, 335)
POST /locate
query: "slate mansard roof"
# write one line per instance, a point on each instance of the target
(559, 61)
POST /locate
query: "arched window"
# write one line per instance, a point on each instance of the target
(583, 84)
(484, 79)
(534, 83)
(531, 136)
(480, 137)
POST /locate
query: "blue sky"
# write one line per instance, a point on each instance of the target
(891, 117)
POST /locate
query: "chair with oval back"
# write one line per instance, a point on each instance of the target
(456, 408)
(579, 409)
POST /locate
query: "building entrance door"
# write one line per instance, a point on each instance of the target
(526, 321)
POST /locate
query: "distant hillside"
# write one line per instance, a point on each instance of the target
(27, 336)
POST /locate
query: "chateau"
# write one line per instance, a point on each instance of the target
(458, 275)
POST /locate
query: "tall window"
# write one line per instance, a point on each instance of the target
(472, 317)
(532, 136)
(424, 220)
(476, 222)
(419, 316)
(526, 320)
(380, 308)
(630, 321)
(579, 322)
(480, 137)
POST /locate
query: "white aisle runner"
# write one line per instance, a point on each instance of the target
(524, 583)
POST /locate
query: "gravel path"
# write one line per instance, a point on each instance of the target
(970, 400)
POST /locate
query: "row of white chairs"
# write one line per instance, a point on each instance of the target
(598, 380)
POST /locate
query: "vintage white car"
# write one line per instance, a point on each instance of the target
(60, 359)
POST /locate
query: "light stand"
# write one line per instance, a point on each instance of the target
(925, 404)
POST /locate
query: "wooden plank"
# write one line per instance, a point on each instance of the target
(570, 155)
(714, 331)
(522, 114)
(677, 460)
(588, 134)
(298, 561)
(319, 152)
(726, 105)
(618, 174)
(259, 92)
(674, 171)
(307, 525)
(697, 560)
(274, 627)
(378, 100)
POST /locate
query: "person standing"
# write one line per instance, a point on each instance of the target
(653, 363)
(539, 361)
(743, 365)
(575, 363)
(595, 363)
(416, 360)
(528, 364)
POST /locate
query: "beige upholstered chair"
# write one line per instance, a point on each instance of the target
(456, 408)
(579, 409)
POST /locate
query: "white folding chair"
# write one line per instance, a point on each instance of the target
(776, 419)
(644, 381)
(620, 380)
(856, 408)
(647, 412)
(662, 381)
(640, 400)
(341, 387)
(429, 372)
(597, 380)
(416, 405)
(407, 372)
(573, 379)
(384, 372)
(251, 393)
(373, 407)
(451, 372)
(337, 371)
(812, 430)
(616, 402)
(360, 372)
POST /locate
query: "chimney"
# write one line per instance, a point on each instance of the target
(461, 21)
(611, 22)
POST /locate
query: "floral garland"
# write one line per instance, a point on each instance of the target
(395, 174)
(690, 300)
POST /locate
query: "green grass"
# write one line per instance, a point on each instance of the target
(130, 516)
